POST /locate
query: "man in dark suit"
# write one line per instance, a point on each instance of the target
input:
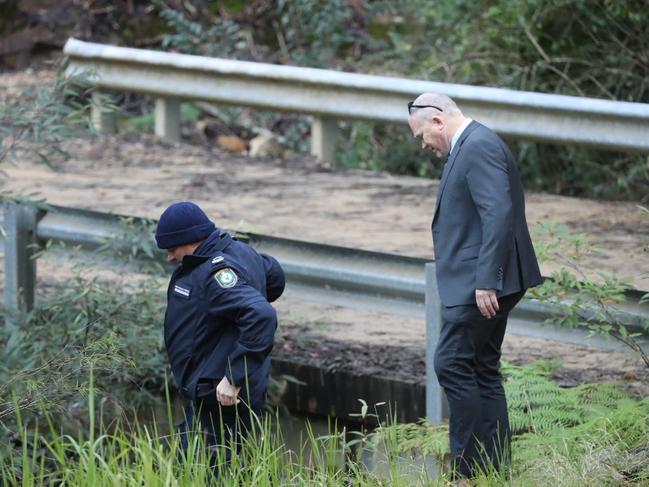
(484, 262)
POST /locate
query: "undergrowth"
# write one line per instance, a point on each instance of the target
(608, 448)
(136, 454)
(592, 434)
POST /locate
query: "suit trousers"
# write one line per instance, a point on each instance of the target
(467, 364)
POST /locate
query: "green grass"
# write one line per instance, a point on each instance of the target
(609, 449)
(137, 455)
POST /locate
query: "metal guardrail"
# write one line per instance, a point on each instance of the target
(387, 283)
(330, 96)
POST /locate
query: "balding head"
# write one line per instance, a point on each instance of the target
(447, 107)
(434, 118)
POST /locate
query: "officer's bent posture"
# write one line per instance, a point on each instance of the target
(219, 324)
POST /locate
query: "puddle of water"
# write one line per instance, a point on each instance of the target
(376, 459)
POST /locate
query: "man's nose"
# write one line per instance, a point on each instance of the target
(170, 257)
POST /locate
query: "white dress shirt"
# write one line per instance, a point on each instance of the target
(458, 133)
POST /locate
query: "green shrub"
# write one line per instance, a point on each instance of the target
(35, 122)
(582, 298)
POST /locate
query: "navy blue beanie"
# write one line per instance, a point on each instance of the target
(182, 223)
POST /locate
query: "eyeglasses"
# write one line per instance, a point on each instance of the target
(411, 105)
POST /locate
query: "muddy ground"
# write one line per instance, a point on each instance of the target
(299, 198)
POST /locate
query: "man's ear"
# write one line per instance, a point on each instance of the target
(437, 121)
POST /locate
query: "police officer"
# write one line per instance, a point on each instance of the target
(219, 324)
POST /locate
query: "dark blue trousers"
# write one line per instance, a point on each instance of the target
(222, 427)
(467, 364)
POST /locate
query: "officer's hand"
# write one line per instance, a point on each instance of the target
(487, 302)
(226, 393)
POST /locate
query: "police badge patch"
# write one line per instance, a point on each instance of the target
(226, 278)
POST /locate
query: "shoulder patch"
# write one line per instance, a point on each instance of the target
(217, 259)
(226, 278)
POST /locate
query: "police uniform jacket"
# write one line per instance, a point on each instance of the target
(219, 321)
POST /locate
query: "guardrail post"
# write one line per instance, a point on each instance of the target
(167, 119)
(102, 119)
(20, 266)
(324, 131)
(436, 405)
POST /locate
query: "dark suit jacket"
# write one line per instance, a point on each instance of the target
(479, 228)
